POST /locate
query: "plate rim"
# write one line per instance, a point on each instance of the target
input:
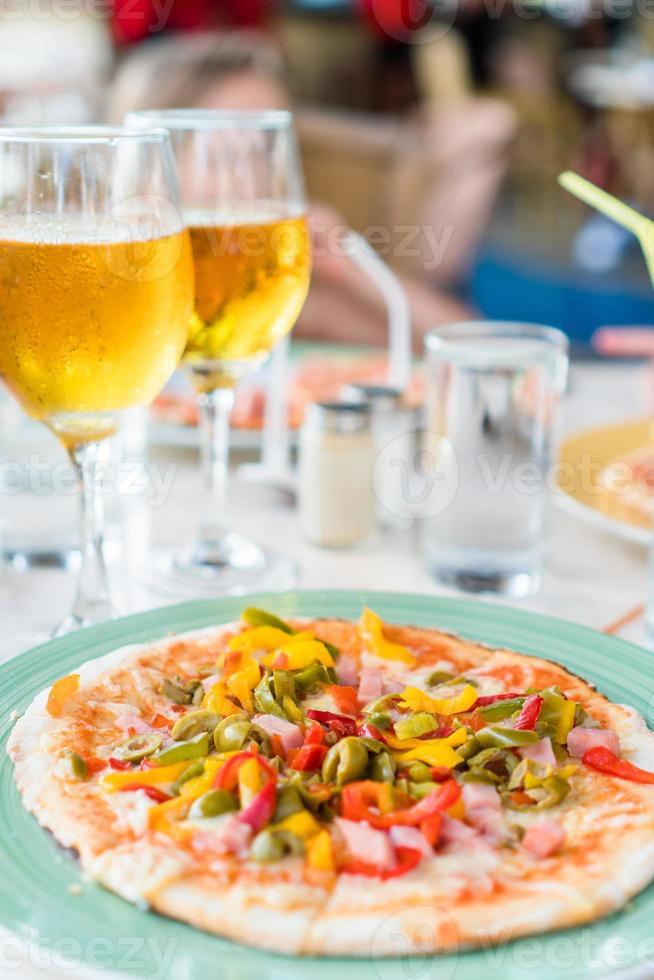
(456, 602)
(507, 617)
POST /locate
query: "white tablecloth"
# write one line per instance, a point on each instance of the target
(592, 578)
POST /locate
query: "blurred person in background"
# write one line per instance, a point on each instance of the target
(231, 70)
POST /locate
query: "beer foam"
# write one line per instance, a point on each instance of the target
(67, 230)
(258, 213)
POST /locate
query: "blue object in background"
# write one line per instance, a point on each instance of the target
(505, 286)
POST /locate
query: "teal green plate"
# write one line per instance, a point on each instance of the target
(100, 930)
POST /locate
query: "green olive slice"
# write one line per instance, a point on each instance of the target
(213, 803)
(138, 747)
(194, 723)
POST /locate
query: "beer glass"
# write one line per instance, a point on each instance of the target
(243, 202)
(96, 296)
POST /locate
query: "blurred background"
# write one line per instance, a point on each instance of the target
(435, 129)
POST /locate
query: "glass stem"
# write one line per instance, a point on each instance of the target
(215, 410)
(92, 601)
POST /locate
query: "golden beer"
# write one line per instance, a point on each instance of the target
(88, 327)
(251, 280)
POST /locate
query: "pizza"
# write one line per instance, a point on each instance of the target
(297, 785)
(313, 379)
(626, 487)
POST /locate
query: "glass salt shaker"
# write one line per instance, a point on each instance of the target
(337, 452)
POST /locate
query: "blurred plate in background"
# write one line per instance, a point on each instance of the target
(582, 459)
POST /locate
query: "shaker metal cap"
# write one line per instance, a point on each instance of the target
(380, 397)
(342, 417)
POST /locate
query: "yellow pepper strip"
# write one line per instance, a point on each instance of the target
(162, 816)
(533, 781)
(239, 687)
(386, 798)
(60, 692)
(320, 855)
(566, 721)
(433, 755)
(300, 654)
(302, 823)
(371, 630)
(216, 700)
(241, 684)
(249, 781)
(458, 737)
(436, 751)
(215, 762)
(194, 788)
(458, 811)
(264, 638)
(112, 781)
(415, 700)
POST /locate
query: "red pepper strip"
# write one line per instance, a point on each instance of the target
(431, 828)
(341, 729)
(530, 713)
(357, 799)
(277, 746)
(475, 721)
(155, 794)
(161, 722)
(147, 763)
(345, 698)
(260, 811)
(603, 760)
(443, 732)
(315, 735)
(369, 731)
(227, 776)
(440, 774)
(341, 724)
(483, 702)
(407, 860)
(122, 765)
(309, 758)
(95, 765)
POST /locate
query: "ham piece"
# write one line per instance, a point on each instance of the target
(370, 685)
(290, 734)
(543, 839)
(540, 752)
(366, 844)
(581, 739)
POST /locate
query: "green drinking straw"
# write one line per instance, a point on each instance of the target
(622, 214)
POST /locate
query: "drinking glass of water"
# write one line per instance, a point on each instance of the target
(493, 397)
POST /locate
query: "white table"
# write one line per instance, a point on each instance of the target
(593, 578)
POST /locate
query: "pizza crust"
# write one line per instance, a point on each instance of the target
(454, 901)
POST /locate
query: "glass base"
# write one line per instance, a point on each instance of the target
(28, 558)
(517, 584)
(231, 565)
